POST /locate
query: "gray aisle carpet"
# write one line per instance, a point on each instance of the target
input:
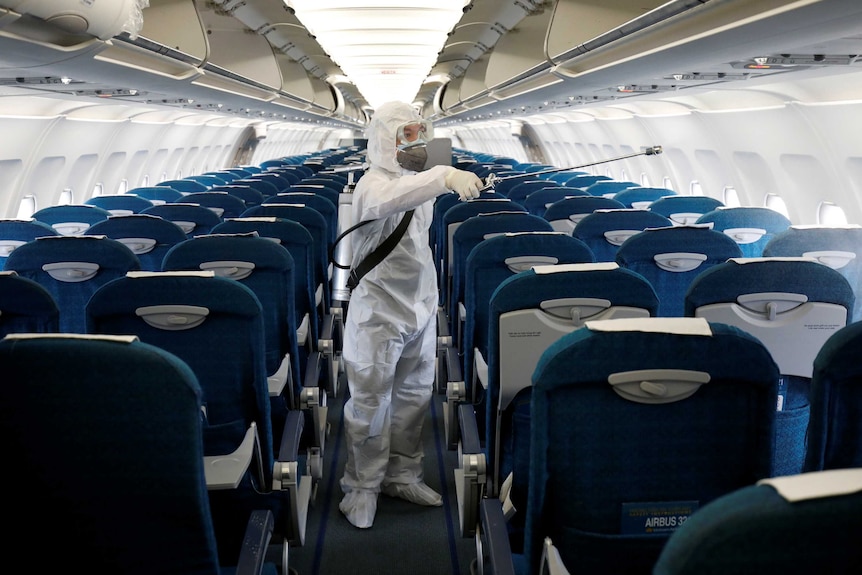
(405, 538)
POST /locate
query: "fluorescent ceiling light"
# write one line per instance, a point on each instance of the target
(386, 47)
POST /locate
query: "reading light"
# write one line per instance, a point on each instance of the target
(386, 47)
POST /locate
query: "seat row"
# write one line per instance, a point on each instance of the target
(607, 462)
(170, 405)
(627, 427)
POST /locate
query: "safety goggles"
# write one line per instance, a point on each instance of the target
(415, 131)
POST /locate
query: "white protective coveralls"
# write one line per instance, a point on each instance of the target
(390, 331)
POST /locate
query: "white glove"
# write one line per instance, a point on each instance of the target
(465, 184)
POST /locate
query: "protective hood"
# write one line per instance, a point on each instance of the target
(381, 134)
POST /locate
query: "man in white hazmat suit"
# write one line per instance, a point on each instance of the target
(390, 332)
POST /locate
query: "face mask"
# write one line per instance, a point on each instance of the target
(412, 157)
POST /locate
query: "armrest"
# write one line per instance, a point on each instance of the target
(258, 533)
(470, 442)
(460, 323)
(312, 398)
(444, 338)
(456, 393)
(288, 449)
(471, 473)
(286, 477)
(494, 543)
(326, 347)
(226, 471)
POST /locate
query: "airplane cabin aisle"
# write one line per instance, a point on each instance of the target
(405, 538)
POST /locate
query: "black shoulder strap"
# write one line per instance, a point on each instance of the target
(379, 252)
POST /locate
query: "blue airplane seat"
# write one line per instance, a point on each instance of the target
(72, 269)
(684, 210)
(247, 193)
(315, 223)
(193, 219)
(184, 185)
(671, 258)
(546, 302)
(265, 188)
(519, 192)
(280, 181)
(835, 427)
(223, 204)
(490, 262)
(293, 237)
(268, 270)
(71, 219)
(26, 306)
(120, 204)
(585, 180)
(778, 301)
(449, 224)
(606, 230)
(635, 424)
(563, 176)
(469, 234)
(148, 236)
(332, 181)
(15, 233)
(157, 194)
(122, 419)
(316, 201)
(749, 226)
(641, 197)
(330, 192)
(533, 167)
(215, 325)
(609, 188)
(793, 525)
(208, 180)
(441, 205)
(838, 247)
(565, 214)
(539, 200)
(503, 187)
(227, 175)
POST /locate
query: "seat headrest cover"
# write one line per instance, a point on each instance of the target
(677, 325)
(600, 266)
(93, 337)
(816, 484)
(201, 274)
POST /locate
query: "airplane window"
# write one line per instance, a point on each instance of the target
(828, 214)
(124, 185)
(731, 197)
(98, 189)
(623, 175)
(66, 197)
(145, 181)
(695, 189)
(775, 202)
(27, 207)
